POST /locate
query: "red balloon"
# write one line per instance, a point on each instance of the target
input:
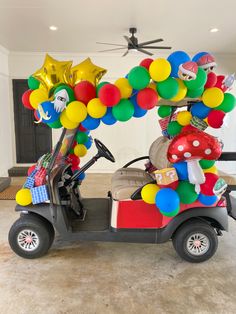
(109, 94)
(82, 129)
(36, 115)
(73, 160)
(216, 118)
(25, 99)
(207, 187)
(211, 80)
(85, 91)
(147, 98)
(218, 84)
(146, 63)
(31, 169)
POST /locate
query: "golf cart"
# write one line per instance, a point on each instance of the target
(122, 216)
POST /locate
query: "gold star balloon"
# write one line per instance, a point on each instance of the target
(53, 73)
(87, 71)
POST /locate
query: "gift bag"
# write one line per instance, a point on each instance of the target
(30, 180)
(39, 194)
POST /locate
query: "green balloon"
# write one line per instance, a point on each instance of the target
(200, 80)
(139, 77)
(71, 151)
(170, 214)
(195, 93)
(123, 111)
(174, 128)
(206, 164)
(168, 88)
(33, 83)
(81, 138)
(56, 124)
(227, 104)
(69, 91)
(100, 85)
(164, 111)
(187, 193)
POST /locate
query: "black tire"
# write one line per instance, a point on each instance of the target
(38, 229)
(190, 232)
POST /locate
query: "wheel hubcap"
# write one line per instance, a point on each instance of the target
(28, 240)
(198, 244)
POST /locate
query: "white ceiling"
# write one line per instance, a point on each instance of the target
(184, 24)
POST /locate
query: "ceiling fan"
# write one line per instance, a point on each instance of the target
(132, 44)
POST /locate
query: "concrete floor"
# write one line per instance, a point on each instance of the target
(100, 278)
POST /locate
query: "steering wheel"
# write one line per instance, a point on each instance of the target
(103, 150)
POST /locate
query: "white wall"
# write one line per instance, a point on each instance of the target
(133, 138)
(6, 154)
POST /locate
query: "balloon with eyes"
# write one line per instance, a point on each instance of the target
(192, 145)
(60, 101)
(205, 61)
(188, 71)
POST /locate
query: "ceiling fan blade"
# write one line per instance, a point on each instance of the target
(151, 42)
(127, 51)
(98, 42)
(155, 47)
(129, 41)
(145, 51)
(112, 49)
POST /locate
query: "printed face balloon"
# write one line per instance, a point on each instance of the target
(61, 100)
(188, 71)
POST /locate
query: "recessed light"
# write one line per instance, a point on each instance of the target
(214, 30)
(53, 28)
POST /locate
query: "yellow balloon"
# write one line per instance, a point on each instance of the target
(37, 97)
(80, 150)
(160, 69)
(53, 73)
(184, 117)
(68, 124)
(213, 169)
(149, 192)
(212, 97)
(182, 91)
(96, 109)
(76, 111)
(124, 87)
(87, 71)
(24, 197)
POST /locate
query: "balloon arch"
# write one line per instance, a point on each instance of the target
(73, 97)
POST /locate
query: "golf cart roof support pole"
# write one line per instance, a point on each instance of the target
(54, 156)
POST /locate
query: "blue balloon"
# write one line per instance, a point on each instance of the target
(176, 58)
(90, 123)
(47, 111)
(200, 110)
(81, 176)
(89, 143)
(207, 200)
(138, 111)
(199, 55)
(167, 200)
(182, 170)
(109, 119)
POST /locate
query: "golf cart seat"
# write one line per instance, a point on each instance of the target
(127, 180)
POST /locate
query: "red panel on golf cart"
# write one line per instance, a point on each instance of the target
(138, 214)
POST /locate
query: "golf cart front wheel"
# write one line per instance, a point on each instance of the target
(30, 236)
(195, 241)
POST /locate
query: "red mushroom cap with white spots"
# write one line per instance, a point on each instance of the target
(193, 144)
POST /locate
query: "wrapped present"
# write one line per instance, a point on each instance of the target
(198, 123)
(166, 176)
(39, 194)
(40, 177)
(29, 183)
(164, 123)
(46, 160)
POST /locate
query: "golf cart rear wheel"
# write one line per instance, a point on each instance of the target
(30, 236)
(195, 241)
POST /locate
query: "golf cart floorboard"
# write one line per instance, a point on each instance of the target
(97, 216)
